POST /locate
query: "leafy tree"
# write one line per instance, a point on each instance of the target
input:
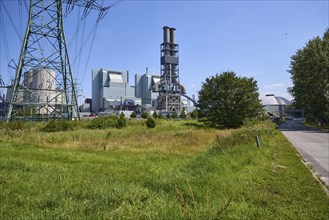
(183, 115)
(168, 115)
(174, 115)
(226, 100)
(309, 69)
(155, 114)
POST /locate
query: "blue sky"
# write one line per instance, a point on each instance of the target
(252, 38)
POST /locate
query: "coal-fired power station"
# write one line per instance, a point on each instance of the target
(170, 90)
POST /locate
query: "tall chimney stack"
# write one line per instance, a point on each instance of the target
(166, 34)
(170, 90)
(173, 35)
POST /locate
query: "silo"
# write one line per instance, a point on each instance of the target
(28, 84)
(43, 86)
(28, 79)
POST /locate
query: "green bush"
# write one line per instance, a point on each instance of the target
(160, 116)
(150, 122)
(144, 115)
(55, 126)
(183, 115)
(174, 115)
(122, 121)
(155, 114)
(168, 115)
(133, 115)
(194, 114)
(103, 122)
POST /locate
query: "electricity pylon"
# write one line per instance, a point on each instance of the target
(43, 87)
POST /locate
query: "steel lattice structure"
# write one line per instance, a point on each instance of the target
(171, 90)
(43, 87)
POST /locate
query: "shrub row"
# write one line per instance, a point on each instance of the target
(111, 121)
(58, 125)
(101, 122)
(183, 115)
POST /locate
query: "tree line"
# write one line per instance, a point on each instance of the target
(309, 69)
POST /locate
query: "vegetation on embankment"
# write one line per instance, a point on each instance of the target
(177, 170)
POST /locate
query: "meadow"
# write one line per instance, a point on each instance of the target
(177, 170)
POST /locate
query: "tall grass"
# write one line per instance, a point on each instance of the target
(175, 171)
(168, 136)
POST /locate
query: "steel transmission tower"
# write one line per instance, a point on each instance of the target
(43, 87)
(171, 90)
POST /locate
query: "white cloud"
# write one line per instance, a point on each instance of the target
(192, 86)
(274, 85)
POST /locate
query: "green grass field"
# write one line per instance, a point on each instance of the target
(177, 170)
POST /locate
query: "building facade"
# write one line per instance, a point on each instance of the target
(111, 91)
(146, 87)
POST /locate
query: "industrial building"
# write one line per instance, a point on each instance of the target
(275, 105)
(110, 96)
(145, 85)
(111, 90)
(86, 106)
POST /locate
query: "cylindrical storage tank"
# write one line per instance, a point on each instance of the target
(28, 84)
(36, 84)
(20, 96)
(173, 35)
(28, 79)
(36, 79)
(50, 79)
(166, 34)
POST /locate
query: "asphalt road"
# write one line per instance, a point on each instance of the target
(312, 144)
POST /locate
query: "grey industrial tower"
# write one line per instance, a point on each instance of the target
(170, 90)
(43, 87)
